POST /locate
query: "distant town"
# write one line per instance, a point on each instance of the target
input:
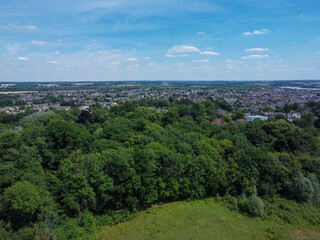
(254, 99)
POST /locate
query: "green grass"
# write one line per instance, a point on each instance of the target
(200, 219)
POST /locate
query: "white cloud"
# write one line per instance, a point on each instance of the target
(154, 65)
(201, 33)
(38, 42)
(4, 27)
(183, 49)
(183, 55)
(257, 49)
(263, 31)
(179, 65)
(171, 56)
(131, 60)
(133, 67)
(59, 40)
(23, 59)
(229, 66)
(318, 52)
(201, 61)
(254, 56)
(11, 26)
(147, 58)
(234, 61)
(209, 53)
(256, 32)
(29, 27)
(54, 62)
(113, 65)
(57, 52)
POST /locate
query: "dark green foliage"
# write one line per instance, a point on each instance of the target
(6, 100)
(57, 176)
(74, 229)
(223, 104)
(20, 203)
(85, 116)
(73, 190)
(114, 217)
(237, 115)
(169, 118)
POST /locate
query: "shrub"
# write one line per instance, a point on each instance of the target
(316, 187)
(255, 206)
(26, 233)
(243, 203)
(302, 189)
(70, 229)
(115, 217)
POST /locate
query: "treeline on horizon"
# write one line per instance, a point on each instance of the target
(158, 84)
(62, 173)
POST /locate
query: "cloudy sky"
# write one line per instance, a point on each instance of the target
(81, 40)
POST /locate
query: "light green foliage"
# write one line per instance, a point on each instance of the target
(283, 211)
(198, 219)
(35, 116)
(303, 190)
(316, 187)
(227, 118)
(252, 205)
(255, 205)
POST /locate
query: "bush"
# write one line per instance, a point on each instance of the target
(5, 232)
(74, 229)
(115, 217)
(243, 203)
(302, 189)
(26, 233)
(255, 206)
(283, 211)
(316, 187)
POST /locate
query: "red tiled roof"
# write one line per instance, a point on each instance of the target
(219, 121)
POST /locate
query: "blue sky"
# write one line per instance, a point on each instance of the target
(81, 40)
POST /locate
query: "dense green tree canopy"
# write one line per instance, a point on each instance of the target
(56, 169)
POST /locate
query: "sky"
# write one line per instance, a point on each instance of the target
(105, 40)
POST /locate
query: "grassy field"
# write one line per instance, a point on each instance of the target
(200, 219)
